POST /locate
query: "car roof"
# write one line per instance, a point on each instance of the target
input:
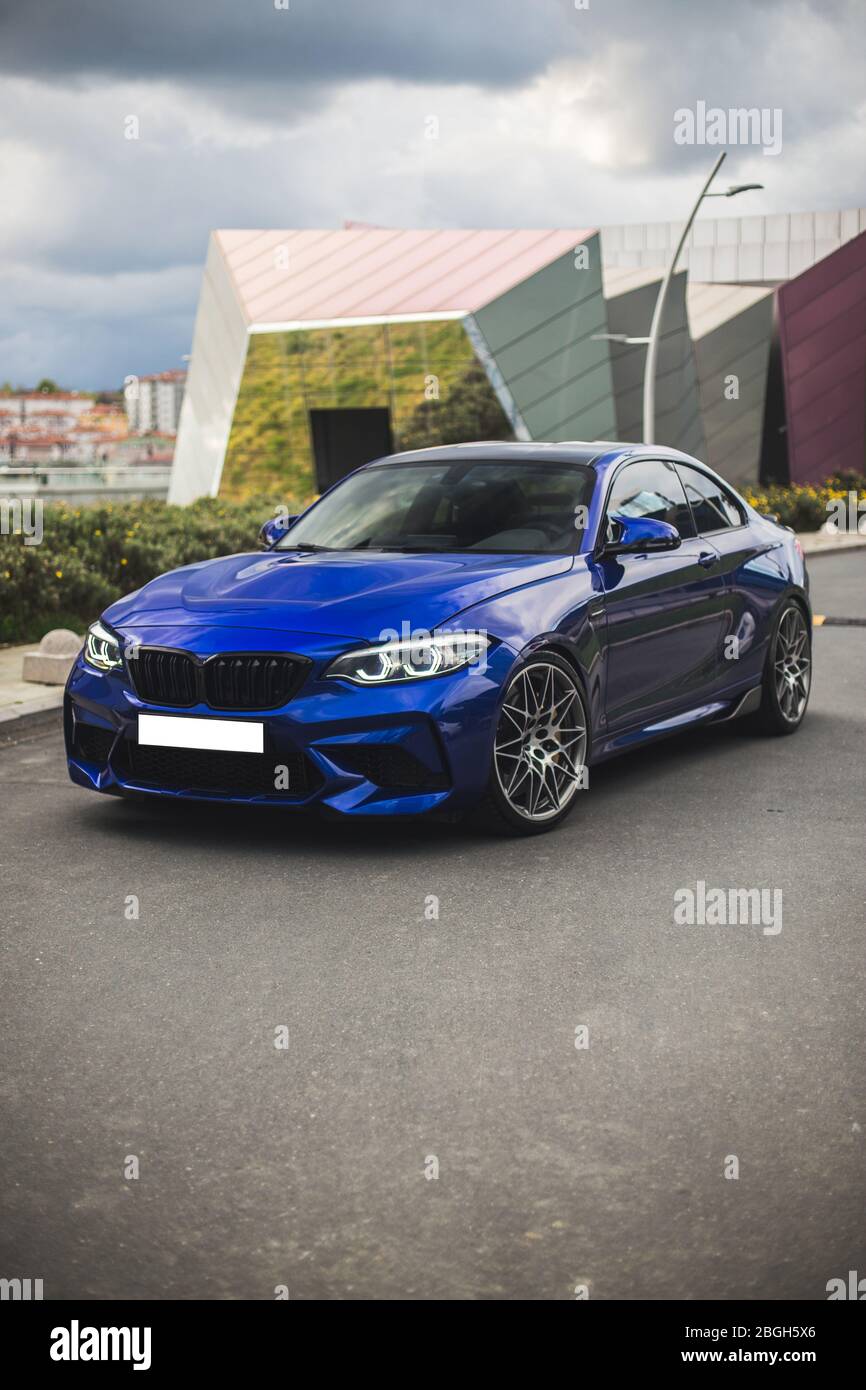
(604, 455)
(563, 451)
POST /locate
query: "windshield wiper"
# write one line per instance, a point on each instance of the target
(305, 545)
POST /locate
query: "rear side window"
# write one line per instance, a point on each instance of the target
(713, 506)
(651, 488)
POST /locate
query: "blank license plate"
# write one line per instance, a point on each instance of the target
(221, 735)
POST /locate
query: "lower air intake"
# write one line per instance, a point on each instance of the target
(90, 744)
(389, 766)
(228, 774)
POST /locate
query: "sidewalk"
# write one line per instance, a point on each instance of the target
(825, 543)
(24, 705)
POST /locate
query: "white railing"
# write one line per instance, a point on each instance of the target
(106, 480)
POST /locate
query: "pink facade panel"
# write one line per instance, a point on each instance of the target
(822, 330)
(375, 272)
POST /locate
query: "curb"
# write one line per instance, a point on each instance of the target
(829, 547)
(36, 716)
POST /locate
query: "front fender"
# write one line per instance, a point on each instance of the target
(564, 613)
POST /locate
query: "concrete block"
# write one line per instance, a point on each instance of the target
(50, 664)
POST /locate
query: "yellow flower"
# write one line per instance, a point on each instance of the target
(97, 532)
(123, 562)
(58, 574)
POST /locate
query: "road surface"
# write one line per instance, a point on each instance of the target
(412, 1039)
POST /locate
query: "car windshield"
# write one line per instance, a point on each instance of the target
(486, 505)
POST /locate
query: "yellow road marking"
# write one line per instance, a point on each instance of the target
(817, 619)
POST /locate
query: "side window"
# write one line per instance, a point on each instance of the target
(713, 506)
(651, 488)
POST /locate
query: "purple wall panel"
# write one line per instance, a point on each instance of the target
(822, 332)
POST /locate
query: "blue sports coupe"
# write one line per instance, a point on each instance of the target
(453, 630)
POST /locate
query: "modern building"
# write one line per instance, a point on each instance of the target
(153, 403)
(777, 315)
(315, 351)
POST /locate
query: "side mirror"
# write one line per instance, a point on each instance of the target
(274, 529)
(639, 535)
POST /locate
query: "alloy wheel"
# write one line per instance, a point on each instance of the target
(792, 665)
(540, 744)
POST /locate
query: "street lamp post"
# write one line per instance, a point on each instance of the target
(652, 352)
(649, 377)
(652, 342)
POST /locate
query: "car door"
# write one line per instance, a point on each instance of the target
(664, 611)
(720, 520)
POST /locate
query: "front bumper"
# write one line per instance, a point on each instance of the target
(404, 749)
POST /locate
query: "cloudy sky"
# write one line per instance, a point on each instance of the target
(301, 113)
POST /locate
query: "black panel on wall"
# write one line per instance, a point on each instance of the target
(774, 440)
(344, 439)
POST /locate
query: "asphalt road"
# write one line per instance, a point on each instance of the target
(410, 1038)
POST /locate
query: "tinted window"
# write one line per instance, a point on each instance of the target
(651, 488)
(484, 505)
(713, 507)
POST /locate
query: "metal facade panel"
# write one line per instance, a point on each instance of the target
(540, 335)
(732, 349)
(678, 421)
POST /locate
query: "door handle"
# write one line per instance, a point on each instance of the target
(707, 559)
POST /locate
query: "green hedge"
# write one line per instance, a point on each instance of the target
(91, 555)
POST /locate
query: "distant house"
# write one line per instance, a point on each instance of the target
(18, 447)
(138, 449)
(41, 427)
(154, 402)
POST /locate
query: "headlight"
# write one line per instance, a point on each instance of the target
(411, 659)
(101, 649)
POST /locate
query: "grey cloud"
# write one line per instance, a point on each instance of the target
(313, 41)
(256, 117)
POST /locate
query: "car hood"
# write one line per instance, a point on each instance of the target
(334, 593)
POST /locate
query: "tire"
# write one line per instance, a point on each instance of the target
(535, 780)
(787, 678)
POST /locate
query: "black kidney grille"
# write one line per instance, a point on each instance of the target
(230, 774)
(249, 682)
(164, 678)
(232, 682)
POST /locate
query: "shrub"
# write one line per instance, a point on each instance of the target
(91, 555)
(804, 507)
